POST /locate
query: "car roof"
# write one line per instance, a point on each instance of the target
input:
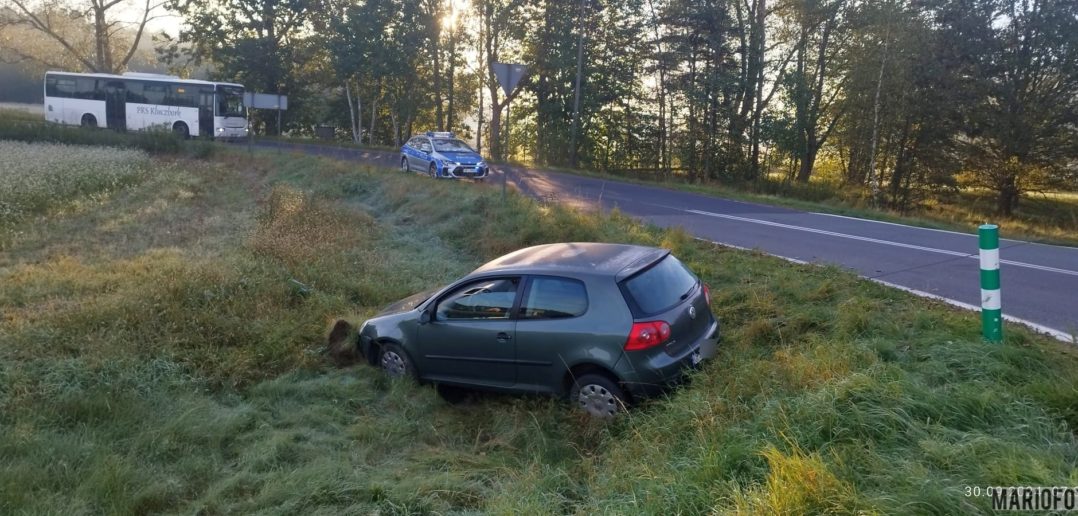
(578, 258)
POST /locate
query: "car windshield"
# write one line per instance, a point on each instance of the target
(451, 145)
(662, 286)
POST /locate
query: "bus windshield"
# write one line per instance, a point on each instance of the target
(230, 101)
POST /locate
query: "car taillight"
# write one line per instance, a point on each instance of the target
(707, 294)
(646, 335)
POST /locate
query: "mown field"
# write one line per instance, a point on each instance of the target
(162, 351)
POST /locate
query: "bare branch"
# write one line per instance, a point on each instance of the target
(46, 27)
(138, 35)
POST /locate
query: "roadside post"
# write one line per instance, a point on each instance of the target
(274, 101)
(508, 75)
(991, 309)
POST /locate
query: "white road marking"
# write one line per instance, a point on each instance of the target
(971, 235)
(1070, 338)
(1060, 335)
(973, 256)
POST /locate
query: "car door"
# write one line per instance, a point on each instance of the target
(551, 332)
(470, 337)
(409, 152)
(423, 156)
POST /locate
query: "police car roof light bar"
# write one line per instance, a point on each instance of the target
(440, 134)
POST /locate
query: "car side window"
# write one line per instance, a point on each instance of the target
(554, 298)
(424, 145)
(490, 298)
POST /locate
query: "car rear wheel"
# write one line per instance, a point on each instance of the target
(89, 121)
(404, 165)
(432, 171)
(394, 361)
(598, 396)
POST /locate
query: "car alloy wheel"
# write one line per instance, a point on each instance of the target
(394, 362)
(404, 165)
(433, 171)
(598, 396)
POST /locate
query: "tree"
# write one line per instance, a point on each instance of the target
(498, 33)
(87, 35)
(1025, 132)
(820, 35)
(260, 43)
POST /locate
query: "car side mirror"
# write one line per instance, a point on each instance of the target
(424, 317)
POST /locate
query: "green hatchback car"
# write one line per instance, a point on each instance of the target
(603, 323)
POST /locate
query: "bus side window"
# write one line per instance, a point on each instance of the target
(181, 95)
(61, 87)
(134, 92)
(86, 88)
(155, 92)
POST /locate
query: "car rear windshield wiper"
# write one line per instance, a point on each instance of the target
(686, 294)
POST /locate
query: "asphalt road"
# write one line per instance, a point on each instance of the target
(1039, 282)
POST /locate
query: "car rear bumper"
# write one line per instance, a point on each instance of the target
(651, 376)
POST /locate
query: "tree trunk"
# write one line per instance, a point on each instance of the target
(101, 41)
(873, 180)
(352, 113)
(437, 65)
(452, 78)
(479, 125)
(1008, 196)
(395, 119)
(805, 170)
(374, 113)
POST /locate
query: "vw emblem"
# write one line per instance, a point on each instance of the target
(692, 312)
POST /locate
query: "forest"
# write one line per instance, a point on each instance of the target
(900, 100)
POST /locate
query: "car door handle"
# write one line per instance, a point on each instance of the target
(504, 337)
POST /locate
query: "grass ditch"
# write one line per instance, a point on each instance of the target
(151, 365)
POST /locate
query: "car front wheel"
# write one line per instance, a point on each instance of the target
(598, 396)
(394, 361)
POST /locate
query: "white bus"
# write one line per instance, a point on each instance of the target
(135, 101)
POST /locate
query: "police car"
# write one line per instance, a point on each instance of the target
(442, 155)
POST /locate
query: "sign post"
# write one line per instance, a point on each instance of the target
(509, 75)
(266, 101)
(991, 308)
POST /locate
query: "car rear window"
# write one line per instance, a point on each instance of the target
(554, 298)
(659, 287)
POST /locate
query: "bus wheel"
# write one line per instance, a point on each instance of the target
(180, 129)
(89, 120)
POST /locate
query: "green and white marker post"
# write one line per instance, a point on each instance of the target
(991, 310)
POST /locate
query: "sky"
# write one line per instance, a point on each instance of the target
(170, 23)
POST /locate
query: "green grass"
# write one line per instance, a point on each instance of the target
(318, 142)
(39, 176)
(157, 355)
(1041, 217)
(27, 127)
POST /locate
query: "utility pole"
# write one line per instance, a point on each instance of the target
(576, 91)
